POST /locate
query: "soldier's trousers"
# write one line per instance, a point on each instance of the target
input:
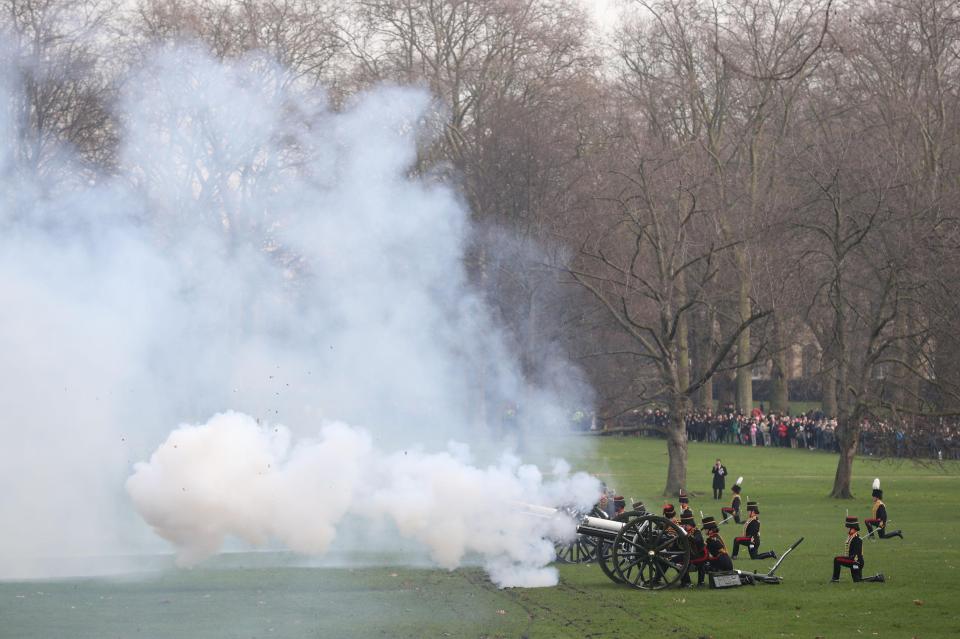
(751, 547)
(730, 511)
(856, 570)
(882, 533)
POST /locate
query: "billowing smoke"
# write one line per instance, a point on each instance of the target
(255, 251)
(234, 477)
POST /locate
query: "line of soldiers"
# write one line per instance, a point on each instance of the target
(711, 554)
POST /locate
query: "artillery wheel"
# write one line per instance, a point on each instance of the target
(605, 548)
(650, 553)
(583, 549)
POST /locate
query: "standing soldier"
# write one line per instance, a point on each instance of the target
(719, 479)
(879, 518)
(751, 535)
(733, 510)
(853, 555)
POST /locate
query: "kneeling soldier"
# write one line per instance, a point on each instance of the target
(751, 535)
(853, 557)
(879, 518)
(717, 557)
(733, 510)
(698, 550)
(685, 506)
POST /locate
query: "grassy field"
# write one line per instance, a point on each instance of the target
(267, 596)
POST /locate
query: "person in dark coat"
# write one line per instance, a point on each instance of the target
(852, 557)
(698, 550)
(879, 518)
(751, 535)
(717, 557)
(719, 479)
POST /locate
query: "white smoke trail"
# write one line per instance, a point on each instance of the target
(252, 251)
(232, 477)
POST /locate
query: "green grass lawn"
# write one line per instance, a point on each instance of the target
(269, 596)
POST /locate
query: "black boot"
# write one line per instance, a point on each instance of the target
(879, 578)
(766, 555)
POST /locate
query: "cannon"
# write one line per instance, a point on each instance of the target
(638, 549)
(634, 548)
(642, 550)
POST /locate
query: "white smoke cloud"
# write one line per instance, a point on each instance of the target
(234, 477)
(253, 251)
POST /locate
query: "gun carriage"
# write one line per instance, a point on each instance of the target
(644, 551)
(634, 548)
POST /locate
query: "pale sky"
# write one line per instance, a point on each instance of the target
(604, 12)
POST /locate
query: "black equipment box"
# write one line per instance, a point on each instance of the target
(729, 579)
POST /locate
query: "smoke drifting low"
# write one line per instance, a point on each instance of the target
(232, 477)
(254, 251)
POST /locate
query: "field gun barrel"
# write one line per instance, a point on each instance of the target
(598, 527)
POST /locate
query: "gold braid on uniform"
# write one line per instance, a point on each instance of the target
(876, 507)
(846, 546)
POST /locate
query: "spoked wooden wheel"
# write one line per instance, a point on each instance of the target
(605, 548)
(651, 553)
(581, 550)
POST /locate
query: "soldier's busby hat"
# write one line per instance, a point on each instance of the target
(736, 485)
(619, 502)
(688, 520)
(876, 489)
(668, 511)
(752, 505)
(683, 497)
(709, 523)
(852, 522)
(639, 506)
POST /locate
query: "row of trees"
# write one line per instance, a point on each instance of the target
(680, 200)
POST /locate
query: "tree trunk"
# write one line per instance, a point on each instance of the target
(683, 338)
(727, 393)
(779, 399)
(828, 389)
(704, 354)
(745, 370)
(676, 447)
(847, 439)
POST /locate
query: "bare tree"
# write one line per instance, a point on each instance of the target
(652, 267)
(66, 82)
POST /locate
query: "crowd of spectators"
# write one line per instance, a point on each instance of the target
(930, 438)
